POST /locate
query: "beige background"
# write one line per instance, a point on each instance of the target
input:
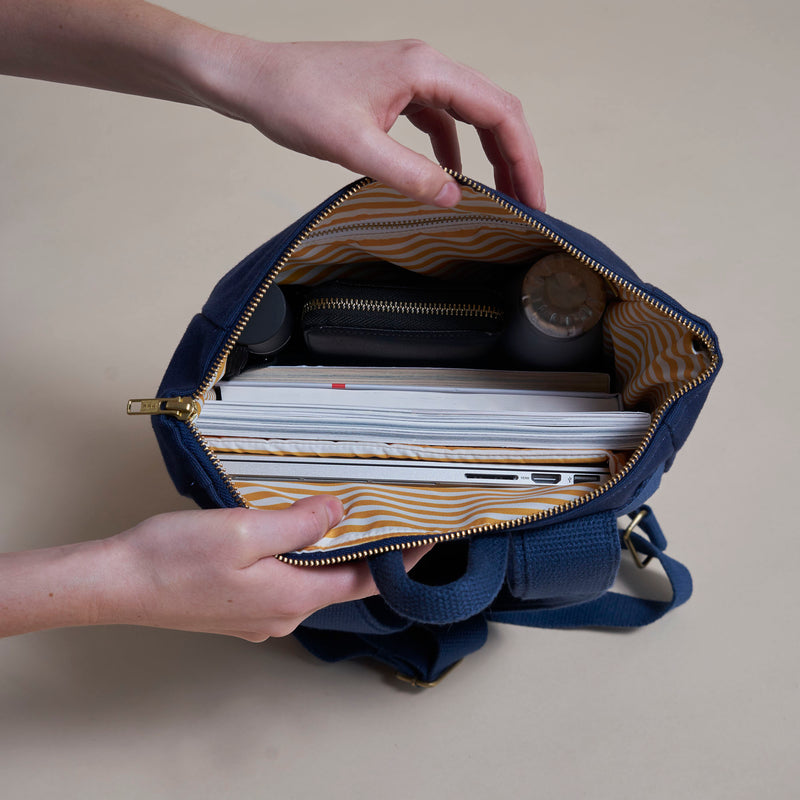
(670, 130)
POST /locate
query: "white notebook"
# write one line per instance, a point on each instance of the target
(424, 415)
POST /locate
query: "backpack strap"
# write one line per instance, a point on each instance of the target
(423, 653)
(468, 595)
(421, 631)
(420, 654)
(611, 610)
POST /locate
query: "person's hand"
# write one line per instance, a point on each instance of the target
(332, 100)
(214, 570)
(338, 100)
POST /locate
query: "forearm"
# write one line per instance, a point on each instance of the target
(210, 571)
(331, 100)
(56, 587)
(121, 45)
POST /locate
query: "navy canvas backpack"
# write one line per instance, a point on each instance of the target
(540, 557)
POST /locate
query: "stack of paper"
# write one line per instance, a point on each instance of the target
(423, 414)
(421, 378)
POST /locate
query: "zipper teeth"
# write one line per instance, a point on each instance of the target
(416, 222)
(539, 515)
(401, 307)
(214, 458)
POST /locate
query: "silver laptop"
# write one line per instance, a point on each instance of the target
(384, 470)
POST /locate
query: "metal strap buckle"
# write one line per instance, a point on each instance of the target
(626, 537)
(425, 684)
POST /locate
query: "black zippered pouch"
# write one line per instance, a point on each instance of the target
(390, 323)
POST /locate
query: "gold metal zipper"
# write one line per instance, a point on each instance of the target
(183, 408)
(400, 307)
(438, 221)
(540, 228)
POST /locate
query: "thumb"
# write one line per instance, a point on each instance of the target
(298, 526)
(402, 168)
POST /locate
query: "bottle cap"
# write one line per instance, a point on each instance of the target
(561, 297)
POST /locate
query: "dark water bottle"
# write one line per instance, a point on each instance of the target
(270, 327)
(557, 305)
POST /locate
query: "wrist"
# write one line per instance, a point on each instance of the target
(197, 60)
(223, 67)
(55, 587)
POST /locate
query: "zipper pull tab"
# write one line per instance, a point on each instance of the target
(184, 408)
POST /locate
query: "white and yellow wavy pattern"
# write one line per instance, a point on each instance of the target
(377, 512)
(653, 354)
(381, 225)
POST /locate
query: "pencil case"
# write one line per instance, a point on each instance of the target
(545, 556)
(388, 322)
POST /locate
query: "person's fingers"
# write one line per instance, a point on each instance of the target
(502, 172)
(383, 158)
(338, 584)
(472, 98)
(269, 533)
(509, 146)
(516, 174)
(441, 128)
(324, 586)
(414, 555)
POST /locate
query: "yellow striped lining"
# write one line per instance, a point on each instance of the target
(379, 224)
(376, 512)
(653, 355)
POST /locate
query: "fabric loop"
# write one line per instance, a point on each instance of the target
(453, 602)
